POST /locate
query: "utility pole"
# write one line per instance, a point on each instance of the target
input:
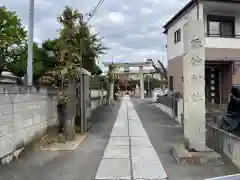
(83, 126)
(30, 43)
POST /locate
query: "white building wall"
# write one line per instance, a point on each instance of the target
(173, 49)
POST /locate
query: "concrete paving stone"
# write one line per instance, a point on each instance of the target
(145, 169)
(147, 153)
(135, 124)
(140, 141)
(133, 117)
(119, 131)
(118, 141)
(123, 123)
(116, 152)
(137, 131)
(114, 169)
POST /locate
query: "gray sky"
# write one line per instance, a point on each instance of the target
(132, 29)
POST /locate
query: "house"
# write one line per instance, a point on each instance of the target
(221, 23)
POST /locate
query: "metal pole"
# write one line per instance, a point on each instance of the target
(83, 123)
(30, 43)
(83, 127)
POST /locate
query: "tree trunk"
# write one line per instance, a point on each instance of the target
(70, 113)
(61, 108)
(164, 69)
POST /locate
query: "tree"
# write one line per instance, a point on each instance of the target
(41, 62)
(12, 35)
(161, 70)
(96, 70)
(91, 46)
(74, 46)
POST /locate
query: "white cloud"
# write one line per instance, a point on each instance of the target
(146, 10)
(42, 4)
(125, 7)
(131, 28)
(116, 17)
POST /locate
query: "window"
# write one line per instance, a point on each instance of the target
(222, 26)
(177, 36)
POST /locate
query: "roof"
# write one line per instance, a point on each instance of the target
(187, 7)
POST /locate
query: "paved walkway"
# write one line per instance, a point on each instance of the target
(129, 153)
(131, 140)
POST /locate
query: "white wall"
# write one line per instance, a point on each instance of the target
(173, 49)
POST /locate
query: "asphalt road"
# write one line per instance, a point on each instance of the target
(164, 133)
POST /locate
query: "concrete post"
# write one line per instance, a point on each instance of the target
(30, 43)
(141, 81)
(111, 91)
(194, 85)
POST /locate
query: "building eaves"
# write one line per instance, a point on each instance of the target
(185, 9)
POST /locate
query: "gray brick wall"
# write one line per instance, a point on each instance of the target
(25, 113)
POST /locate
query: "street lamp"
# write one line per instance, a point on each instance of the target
(30, 43)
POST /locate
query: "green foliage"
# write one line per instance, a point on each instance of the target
(41, 62)
(154, 83)
(64, 54)
(12, 36)
(75, 45)
(18, 63)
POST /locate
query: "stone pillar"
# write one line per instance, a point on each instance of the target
(141, 81)
(111, 91)
(194, 85)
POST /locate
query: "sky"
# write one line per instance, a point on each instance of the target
(131, 29)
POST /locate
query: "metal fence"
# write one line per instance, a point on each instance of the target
(223, 142)
(170, 102)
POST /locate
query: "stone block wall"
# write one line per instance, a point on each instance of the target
(25, 114)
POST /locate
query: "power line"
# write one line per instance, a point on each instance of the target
(91, 14)
(95, 9)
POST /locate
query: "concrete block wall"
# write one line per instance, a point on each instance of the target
(25, 114)
(98, 99)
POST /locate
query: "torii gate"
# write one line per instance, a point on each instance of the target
(126, 67)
